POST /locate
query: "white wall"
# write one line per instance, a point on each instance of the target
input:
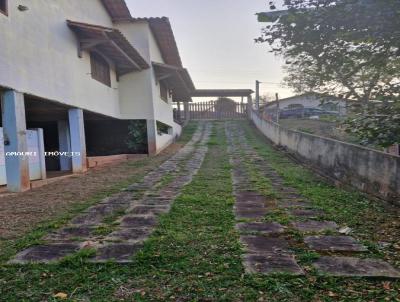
(38, 54)
(136, 95)
(368, 170)
(308, 101)
(136, 98)
(141, 90)
(163, 110)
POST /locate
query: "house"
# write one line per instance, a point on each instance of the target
(306, 101)
(81, 72)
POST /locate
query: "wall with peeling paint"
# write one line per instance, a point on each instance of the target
(368, 170)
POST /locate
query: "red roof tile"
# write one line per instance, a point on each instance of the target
(164, 35)
(117, 9)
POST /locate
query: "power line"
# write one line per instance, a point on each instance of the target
(263, 82)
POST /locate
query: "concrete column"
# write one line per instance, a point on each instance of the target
(64, 142)
(78, 143)
(179, 111)
(41, 153)
(151, 137)
(14, 127)
(249, 106)
(186, 110)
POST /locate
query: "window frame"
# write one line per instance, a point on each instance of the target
(5, 11)
(99, 68)
(164, 92)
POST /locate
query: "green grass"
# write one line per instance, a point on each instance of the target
(279, 216)
(9, 247)
(195, 255)
(104, 230)
(306, 130)
(347, 207)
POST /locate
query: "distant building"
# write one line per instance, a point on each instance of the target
(307, 101)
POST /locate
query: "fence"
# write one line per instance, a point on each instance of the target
(217, 110)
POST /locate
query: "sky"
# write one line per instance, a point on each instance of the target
(216, 42)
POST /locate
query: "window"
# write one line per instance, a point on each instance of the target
(100, 69)
(163, 128)
(4, 7)
(164, 92)
(295, 106)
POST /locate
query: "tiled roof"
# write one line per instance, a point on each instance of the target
(164, 35)
(177, 78)
(222, 92)
(117, 9)
(112, 43)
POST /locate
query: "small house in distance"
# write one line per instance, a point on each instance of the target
(304, 105)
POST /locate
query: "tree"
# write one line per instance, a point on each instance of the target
(266, 98)
(346, 48)
(137, 136)
(225, 105)
(378, 124)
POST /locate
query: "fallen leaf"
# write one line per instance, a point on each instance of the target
(386, 285)
(61, 296)
(332, 294)
(345, 230)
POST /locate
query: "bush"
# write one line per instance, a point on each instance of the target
(137, 136)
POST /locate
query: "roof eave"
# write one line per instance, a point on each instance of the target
(117, 9)
(112, 37)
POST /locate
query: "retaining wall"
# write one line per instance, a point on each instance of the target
(370, 171)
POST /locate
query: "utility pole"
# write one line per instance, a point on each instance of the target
(258, 95)
(277, 108)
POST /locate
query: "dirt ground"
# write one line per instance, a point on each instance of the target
(21, 212)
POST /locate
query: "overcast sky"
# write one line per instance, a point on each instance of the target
(216, 41)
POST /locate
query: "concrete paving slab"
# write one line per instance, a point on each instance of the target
(46, 253)
(261, 227)
(306, 213)
(148, 210)
(334, 244)
(130, 234)
(71, 232)
(262, 244)
(136, 221)
(355, 267)
(245, 196)
(272, 263)
(315, 226)
(118, 252)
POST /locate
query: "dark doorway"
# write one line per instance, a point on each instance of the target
(110, 137)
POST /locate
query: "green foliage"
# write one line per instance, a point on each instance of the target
(137, 136)
(346, 48)
(377, 125)
(225, 104)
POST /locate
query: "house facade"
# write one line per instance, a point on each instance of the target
(83, 71)
(312, 100)
(307, 100)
